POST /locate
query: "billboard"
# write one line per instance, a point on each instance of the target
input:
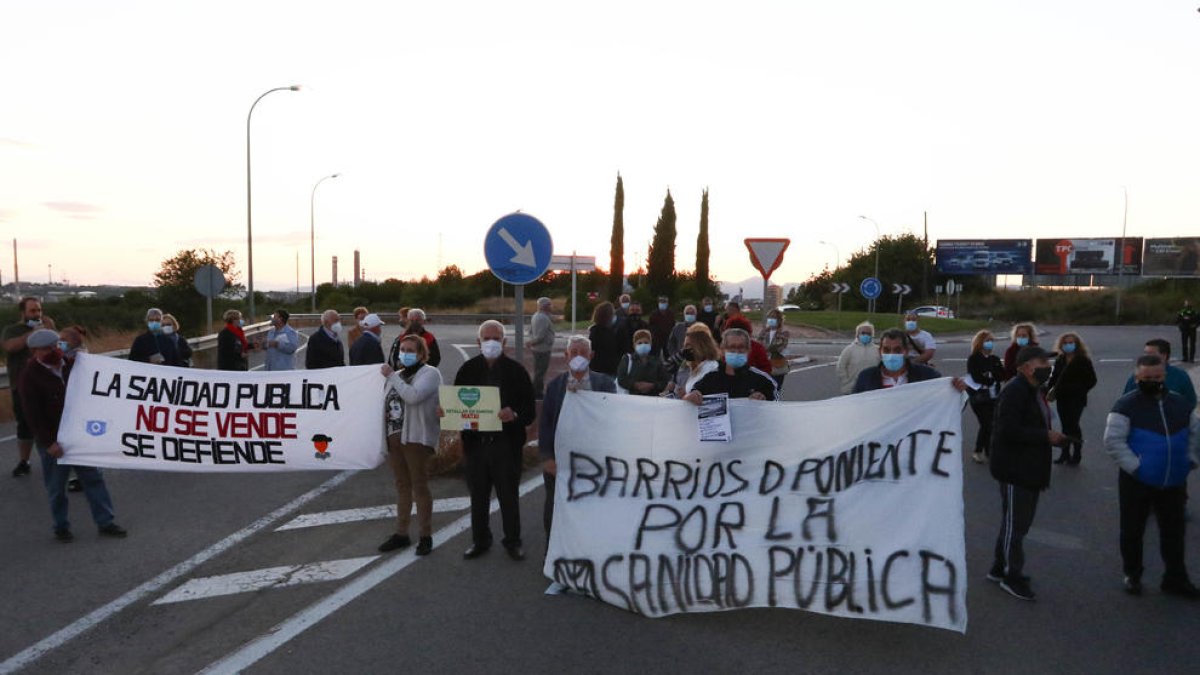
(1174, 257)
(984, 256)
(1087, 256)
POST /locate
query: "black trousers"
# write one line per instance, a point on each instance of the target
(1070, 411)
(1188, 338)
(1018, 505)
(492, 462)
(984, 409)
(548, 506)
(1137, 501)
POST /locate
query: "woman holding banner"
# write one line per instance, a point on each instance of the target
(413, 428)
(700, 357)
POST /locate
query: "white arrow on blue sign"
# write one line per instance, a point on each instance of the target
(518, 248)
(870, 288)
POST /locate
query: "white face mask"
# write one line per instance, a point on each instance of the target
(578, 364)
(336, 328)
(167, 330)
(491, 349)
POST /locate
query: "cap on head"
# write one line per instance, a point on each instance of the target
(1030, 353)
(41, 338)
(371, 321)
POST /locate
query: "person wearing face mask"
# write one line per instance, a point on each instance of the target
(987, 371)
(325, 349)
(603, 335)
(894, 367)
(627, 326)
(699, 356)
(624, 303)
(154, 346)
(70, 343)
(642, 372)
(1153, 436)
(368, 348)
(170, 328)
(493, 458)
(857, 356)
(921, 343)
(579, 377)
(416, 326)
(1022, 335)
(678, 331)
(232, 346)
(1068, 386)
(281, 343)
(758, 353)
(736, 377)
(411, 404)
(1022, 436)
(708, 315)
(43, 388)
(774, 337)
(662, 322)
(15, 337)
(1177, 380)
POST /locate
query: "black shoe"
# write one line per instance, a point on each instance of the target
(22, 469)
(475, 551)
(1062, 457)
(394, 542)
(515, 552)
(64, 536)
(996, 575)
(425, 545)
(1182, 588)
(113, 530)
(74, 485)
(1076, 457)
(1133, 586)
(1018, 588)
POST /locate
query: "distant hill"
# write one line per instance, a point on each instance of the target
(751, 287)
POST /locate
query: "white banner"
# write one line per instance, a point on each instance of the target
(850, 506)
(126, 415)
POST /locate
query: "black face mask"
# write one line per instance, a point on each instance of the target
(688, 354)
(1040, 375)
(1149, 388)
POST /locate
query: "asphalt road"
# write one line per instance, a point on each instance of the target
(121, 606)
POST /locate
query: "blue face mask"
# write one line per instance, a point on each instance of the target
(642, 348)
(988, 344)
(735, 359)
(689, 318)
(865, 339)
(1068, 347)
(624, 305)
(772, 322)
(63, 346)
(408, 359)
(241, 322)
(662, 306)
(708, 308)
(910, 325)
(1022, 341)
(154, 326)
(893, 362)
(614, 320)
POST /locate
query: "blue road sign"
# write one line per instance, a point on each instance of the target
(518, 248)
(870, 288)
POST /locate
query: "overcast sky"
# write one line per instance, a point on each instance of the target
(123, 127)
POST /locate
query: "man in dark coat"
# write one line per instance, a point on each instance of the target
(368, 348)
(493, 458)
(153, 346)
(325, 348)
(1021, 442)
(895, 368)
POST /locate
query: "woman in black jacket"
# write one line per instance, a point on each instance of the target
(987, 371)
(606, 351)
(1069, 384)
(231, 344)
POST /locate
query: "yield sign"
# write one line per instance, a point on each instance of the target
(767, 254)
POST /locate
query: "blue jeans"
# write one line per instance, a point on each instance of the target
(56, 475)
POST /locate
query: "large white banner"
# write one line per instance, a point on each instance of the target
(127, 415)
(850, 506)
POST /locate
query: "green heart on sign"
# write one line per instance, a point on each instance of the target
(469, 397)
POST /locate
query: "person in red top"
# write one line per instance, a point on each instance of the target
(416, 326)
(43, 389)
(759, 358)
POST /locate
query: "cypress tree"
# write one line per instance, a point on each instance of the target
(660, 262)
(616, 251)
(703, 283)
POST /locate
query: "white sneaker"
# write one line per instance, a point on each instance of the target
(979, 457)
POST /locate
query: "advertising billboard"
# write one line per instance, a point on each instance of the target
(984, 256)
(1063, 256)
(1173, 257)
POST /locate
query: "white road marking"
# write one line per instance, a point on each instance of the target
(7, 438)
(269, 577)
(82, 625)
(282, 633)
(1056, 539)
(1115, 361)
(819, 365)
(368, 513)
(464, 351)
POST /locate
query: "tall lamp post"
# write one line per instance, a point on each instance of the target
(249, 219)
(1120, 254)
(312, 237)
(877, 237)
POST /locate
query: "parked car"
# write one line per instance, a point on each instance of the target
(938, 311)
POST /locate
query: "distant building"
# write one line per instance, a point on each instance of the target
(774, 297)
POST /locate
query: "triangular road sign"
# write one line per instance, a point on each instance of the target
(767, 254)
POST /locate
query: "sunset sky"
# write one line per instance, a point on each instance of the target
(123, 127)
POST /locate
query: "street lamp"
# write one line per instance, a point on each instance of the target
(249, 223)
(837, 254)
(312, 237)
(877, 237)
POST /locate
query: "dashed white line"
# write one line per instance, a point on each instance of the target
(819, 365)
(367, 513)
(269, 577)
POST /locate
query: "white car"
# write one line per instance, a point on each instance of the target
(938, 311)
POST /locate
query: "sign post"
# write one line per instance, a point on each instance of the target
(871, 288)
(574, 263)
(766, 255)
(518, 249)
(900, 290)
(209, 281)
(839, 289)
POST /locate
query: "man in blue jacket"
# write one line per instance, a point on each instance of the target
(1153, 436)
(1177, 381)
(577, 378)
